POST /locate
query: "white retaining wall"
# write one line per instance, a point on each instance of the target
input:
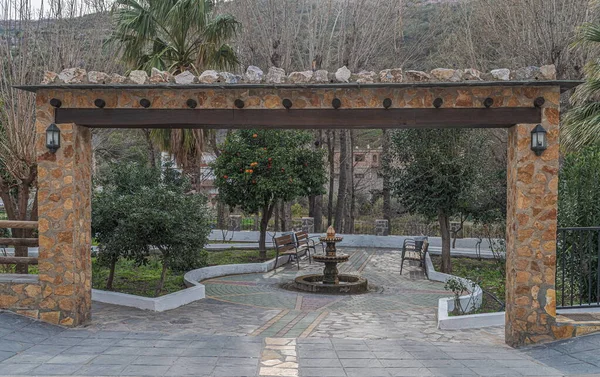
(192, 279)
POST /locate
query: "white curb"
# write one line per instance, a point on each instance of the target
(192, 279)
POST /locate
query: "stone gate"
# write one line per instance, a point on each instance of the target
(78, 101)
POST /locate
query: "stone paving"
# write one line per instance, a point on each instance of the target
(252, 326)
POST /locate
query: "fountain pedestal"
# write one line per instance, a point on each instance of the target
(331, 281)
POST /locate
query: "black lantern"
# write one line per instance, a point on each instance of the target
(52, 138)
(539, 142)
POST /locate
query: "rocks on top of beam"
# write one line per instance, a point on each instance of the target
(275, 75)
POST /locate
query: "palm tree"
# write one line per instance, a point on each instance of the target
(581, 124)
(174, 35)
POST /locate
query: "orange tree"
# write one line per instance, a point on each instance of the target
(257, 168)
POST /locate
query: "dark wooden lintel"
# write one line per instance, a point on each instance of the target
(299, 118)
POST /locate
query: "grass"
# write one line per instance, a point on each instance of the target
(488, 273)
(136, 280)
(142, 280)
(218, 258)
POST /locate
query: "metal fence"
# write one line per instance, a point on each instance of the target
(578, 267)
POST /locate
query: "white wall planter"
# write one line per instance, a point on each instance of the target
(194, 292)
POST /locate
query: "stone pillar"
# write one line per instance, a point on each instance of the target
(235, 223)
(308, 224)
(532, 194)
(64, 208)
(382, 228)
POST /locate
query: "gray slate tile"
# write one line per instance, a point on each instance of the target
(145, 370)
(16, 369)
(100, 370)
(6, 355)
(409, 372)
(55, 369)
(154, 360)
(113, 359)
(71, 359)
(196, 370)
(319, 363)
(367, 372)
(237, 371)
(322, 372)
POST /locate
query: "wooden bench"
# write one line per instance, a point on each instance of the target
(306, 244)
(285, 245)
(294, 244)
(410, 252)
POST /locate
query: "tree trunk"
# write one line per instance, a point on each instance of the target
(161, 282)
(458, 230)
(150, 148)
(387, 191)
(350, 192)
(444, 221)
(221, 216)
(111, 275)
(331, 160)
(286, 216)
(277, 217)
(264, 223)
(342, 184)
(318, 213)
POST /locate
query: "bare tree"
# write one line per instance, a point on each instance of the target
(487, 34)
(50, 38)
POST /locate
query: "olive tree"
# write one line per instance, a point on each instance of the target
(434, 174)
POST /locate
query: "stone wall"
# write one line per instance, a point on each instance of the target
(21, 294)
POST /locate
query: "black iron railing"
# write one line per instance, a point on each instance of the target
(578, 267)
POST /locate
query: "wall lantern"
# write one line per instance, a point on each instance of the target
(52, 138)
(539, 141)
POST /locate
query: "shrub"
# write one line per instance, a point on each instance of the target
(137, 209)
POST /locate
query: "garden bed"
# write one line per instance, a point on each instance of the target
(142, 280)
(489, 274)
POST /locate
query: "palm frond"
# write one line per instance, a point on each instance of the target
(581, 126)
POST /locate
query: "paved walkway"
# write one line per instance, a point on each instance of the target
(253, 326)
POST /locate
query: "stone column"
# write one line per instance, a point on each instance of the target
(64, 208)
(382, 228)
(308, 224)
(532, 194)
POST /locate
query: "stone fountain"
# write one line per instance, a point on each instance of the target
(331, 281)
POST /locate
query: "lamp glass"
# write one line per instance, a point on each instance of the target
(538, 140)
(541, 139)
(534, 140)
(52, 137)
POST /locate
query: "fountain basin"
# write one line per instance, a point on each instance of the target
(337, 258)
(347, 284)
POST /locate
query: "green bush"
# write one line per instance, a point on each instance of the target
(137, 210)
(578, 194)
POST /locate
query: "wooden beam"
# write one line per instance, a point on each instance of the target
(18, 260)
(299, 118)
(31, 242)
(10, 224)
